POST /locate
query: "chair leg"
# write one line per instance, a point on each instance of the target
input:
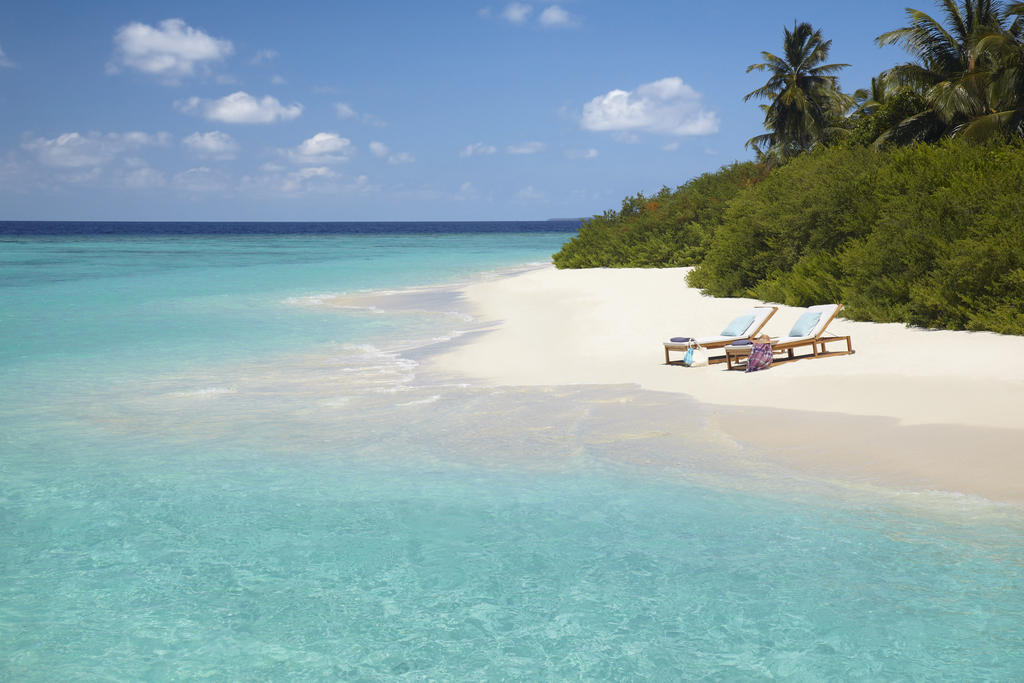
(666, 355)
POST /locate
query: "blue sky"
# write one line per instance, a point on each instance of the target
(385, 110)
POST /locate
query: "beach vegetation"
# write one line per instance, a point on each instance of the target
(968, 67)
(667, 229)
(930, 235)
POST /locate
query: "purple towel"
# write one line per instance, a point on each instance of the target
(760, 357)
(680, 340)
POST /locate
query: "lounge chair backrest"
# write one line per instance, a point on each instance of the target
(739, 326)
(761, 314)
(754, 318)
(828, 312)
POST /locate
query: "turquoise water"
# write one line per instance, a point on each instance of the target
(212, 467)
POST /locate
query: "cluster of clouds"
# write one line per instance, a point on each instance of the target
(478, 149)
(481, 149)
(212, 145)
(72, 150)
(552, 16)
(94, 157)
(667, 106)
(172, 51)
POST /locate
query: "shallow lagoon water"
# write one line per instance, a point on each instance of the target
(212, 467)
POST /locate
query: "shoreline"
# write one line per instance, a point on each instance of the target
(913, 408)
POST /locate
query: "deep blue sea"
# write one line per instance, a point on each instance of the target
(222, 456)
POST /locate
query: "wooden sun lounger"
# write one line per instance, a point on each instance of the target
(717, 342)
(735, 355)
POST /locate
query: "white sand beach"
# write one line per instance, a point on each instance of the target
(935, 409)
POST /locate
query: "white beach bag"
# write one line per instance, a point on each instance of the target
(699, 357)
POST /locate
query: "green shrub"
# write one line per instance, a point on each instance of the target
(665, 230)
(931, 235)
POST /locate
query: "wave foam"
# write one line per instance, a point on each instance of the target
(208, 391)
(421, 401)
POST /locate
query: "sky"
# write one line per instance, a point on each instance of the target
(387, 110)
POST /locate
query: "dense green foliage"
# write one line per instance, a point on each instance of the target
(967, 68)
(931, 235)
(667, 229)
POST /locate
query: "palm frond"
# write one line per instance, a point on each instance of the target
(998, 125)
(922, 127)
(759, 141)
(911, 75)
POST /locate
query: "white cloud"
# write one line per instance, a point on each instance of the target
(212, 145)
(225, 79)
(345, 111)
(466, 191)
(303, 180)
(172, 50)
(72, 150)
(516, 12)
(382, 151)
(477, 149)
(529, 193)
(263, 56)
(294, 181)
(525, 148)
(582, 153)
(5, 62)
(667, 106)
(142, 178)
(556, 17)
(401, 158)
(241, 107)
(277, 80)
(322, 148)
(201, 179)
(671, 146)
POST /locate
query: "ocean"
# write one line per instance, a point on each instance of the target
(222, 455)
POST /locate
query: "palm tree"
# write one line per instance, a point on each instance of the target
(805, 104)
(963, 69)
(1003, 51)
(868, 100)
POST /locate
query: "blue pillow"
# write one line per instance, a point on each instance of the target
(805, 323)
(738, 326)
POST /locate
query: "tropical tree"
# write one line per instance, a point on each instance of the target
(805, 105)
(1004, 52)
(867, 100)
(967, 69)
